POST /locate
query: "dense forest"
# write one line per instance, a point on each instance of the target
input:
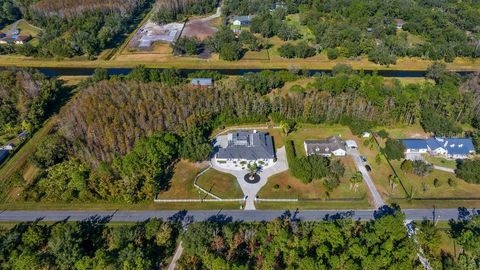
(337, 242)
(9, 12)
(177, 10)
(27, 98)
(73, 28)
(89, 244)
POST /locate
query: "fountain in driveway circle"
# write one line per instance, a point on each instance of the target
(251, 178)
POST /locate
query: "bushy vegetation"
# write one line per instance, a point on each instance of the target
(88, 244)
(469, 170)
(9, 12)
(394, 149)
(177, 10)
(310, 168)
(300, 50)
(289, 244)
(27, 98)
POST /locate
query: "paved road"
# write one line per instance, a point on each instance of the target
(377, 199)
(233, 215)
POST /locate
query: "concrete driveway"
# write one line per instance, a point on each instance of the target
(251, 190)
(377, 199)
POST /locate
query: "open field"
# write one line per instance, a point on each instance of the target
(170, 61)
(223, 185)
(181, 184)
(441, 161)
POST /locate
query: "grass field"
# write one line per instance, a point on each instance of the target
(452, 164)
(181, 184)
(221, 184)
(109, 206)
(315, 205)
(170, 61)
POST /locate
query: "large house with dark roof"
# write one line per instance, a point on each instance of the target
(247, 147)
(331, 146)
(454, 148)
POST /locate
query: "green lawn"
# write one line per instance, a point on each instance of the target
(223, 185)
(109, 206)
(181, 184)
(452, 164)
(285, 186)
(309, 205)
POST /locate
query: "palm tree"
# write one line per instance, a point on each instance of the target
(285, 126)
(393, 181)
(252, 169)
(356, 179)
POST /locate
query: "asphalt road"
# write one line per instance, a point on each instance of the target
(227, 215)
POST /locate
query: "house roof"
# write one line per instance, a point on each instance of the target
(324, 147)
(248, 145)
(202, 81)
(3, 155)
(454, 146)
(23, 38)
(415, 144)
(243, 18)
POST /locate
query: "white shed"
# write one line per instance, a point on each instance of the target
(351, 144)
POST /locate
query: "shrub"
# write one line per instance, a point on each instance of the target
(469, 170)
(332, 54)
(394, 149)
(436, 182)
(421, 168)
(407, 166)
(276, 186)
(451, 182)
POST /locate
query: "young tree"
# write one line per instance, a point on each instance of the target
(355, 181)
(394, 149)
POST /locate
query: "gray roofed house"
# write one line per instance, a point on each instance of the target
(248, 146)
(3, 155)
(331, 146)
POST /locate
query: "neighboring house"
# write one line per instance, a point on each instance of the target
(201, 83)
(2, 35)
(247, 146)
(399, 23)
(366, 134)
(21, 40)
(331, 146)
(3, 155)
(454, 148)
(242, 20)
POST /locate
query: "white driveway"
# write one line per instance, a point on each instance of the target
(251, 190)
(377, 199)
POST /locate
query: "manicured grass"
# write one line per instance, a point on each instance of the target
(181, 185)
(294, 19)
(441, 161)
(109, 206)
(291, 188)
(261, 55)
(316, 205)
(404, 131)
(223, 185)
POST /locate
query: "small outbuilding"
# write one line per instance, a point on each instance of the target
(242, 20)
(399, 23)
(351, 144)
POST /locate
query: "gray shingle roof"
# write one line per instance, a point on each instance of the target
(248, 146)
(324, 147)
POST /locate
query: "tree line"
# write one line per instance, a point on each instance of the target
(177, 10)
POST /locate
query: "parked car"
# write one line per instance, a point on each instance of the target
(363, 158)
(369, 169)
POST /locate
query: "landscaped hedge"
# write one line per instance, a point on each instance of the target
(306, 168)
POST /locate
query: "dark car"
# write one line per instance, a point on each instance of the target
(369, 169)
(363, 158)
